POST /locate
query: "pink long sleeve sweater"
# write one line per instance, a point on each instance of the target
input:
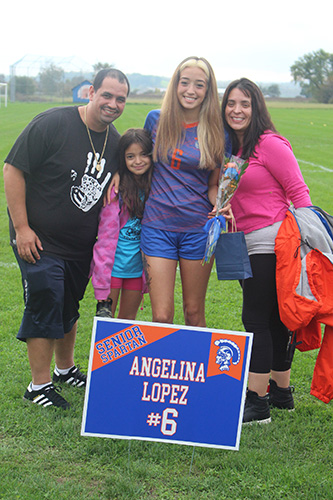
(269, 183)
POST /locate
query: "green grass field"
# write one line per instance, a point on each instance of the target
(42, 454)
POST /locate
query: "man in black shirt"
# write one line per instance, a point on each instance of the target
(55, 176)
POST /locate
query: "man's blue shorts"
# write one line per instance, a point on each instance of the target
(53, 288)
(173, 245)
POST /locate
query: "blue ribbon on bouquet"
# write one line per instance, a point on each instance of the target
(213, 228)
(231, 172)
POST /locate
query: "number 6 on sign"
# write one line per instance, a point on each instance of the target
(169, 421)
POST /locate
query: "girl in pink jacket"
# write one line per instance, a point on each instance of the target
(116, 268)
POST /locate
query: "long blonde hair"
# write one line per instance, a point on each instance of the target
(171, 131)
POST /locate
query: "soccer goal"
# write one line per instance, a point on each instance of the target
(3, 94)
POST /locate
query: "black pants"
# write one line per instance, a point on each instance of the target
(261, 316)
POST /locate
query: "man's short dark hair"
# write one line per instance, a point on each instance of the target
(110, 73)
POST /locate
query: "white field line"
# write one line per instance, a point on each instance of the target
(315, 165)
(8, 264)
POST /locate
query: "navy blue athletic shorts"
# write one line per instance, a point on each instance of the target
(172, 245)
(53, 288)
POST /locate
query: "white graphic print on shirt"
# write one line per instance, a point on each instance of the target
(89, 192)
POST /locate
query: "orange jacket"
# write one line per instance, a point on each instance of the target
(304, 281)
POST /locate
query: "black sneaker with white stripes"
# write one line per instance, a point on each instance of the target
(73, 377)
(47, 396)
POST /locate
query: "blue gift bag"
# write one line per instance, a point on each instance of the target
(231, 257)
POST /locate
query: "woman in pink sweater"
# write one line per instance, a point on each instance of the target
(271, 181)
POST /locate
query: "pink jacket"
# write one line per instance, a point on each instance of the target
(112, 219)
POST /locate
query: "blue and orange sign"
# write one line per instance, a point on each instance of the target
(157, 382)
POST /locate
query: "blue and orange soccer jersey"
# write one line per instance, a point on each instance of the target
(178, 200)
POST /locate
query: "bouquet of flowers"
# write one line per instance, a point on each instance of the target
(233, 169)
(230, 177)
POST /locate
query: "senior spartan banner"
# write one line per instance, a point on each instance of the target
(160, 382)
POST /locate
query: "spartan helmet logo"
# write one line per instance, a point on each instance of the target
(227, 351)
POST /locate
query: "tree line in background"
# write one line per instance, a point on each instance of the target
(51, 81)
(313, 71)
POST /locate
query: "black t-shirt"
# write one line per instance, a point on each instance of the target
(64, 190)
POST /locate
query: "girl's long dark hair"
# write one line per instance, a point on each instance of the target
(134, 189)
(260, 119)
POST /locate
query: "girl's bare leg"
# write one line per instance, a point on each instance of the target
(129, 304)
(161, 275)
(194, 276)
(114, 295)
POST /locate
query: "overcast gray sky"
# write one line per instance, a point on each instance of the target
(256, 39)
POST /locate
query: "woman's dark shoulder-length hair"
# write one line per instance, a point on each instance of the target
(134, 190)
(260, 118)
